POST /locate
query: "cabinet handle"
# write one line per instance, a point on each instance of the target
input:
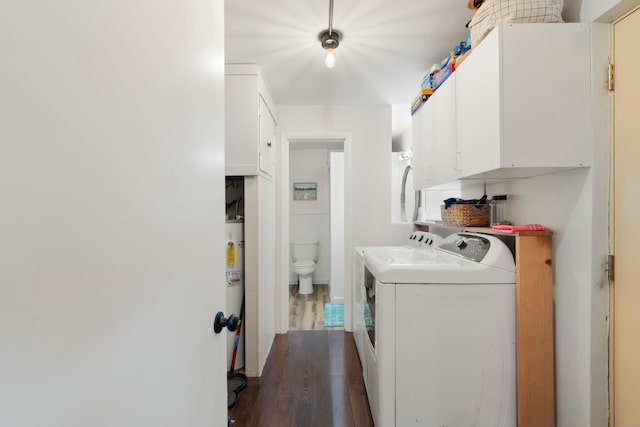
(458, 160)
(269, 144)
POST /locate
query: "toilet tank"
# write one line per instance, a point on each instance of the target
(304, 250)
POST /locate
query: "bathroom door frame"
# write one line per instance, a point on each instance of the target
(336, 219)
(282, 226)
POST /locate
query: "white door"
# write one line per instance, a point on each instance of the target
(111, 214)
(626, 290)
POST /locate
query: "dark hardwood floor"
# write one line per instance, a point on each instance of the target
(310, 379)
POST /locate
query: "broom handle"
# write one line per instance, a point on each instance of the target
(237, 339)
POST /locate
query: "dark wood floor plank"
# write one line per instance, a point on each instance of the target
(337, 352)
(310, 379)
(321, 396)
(341, 402)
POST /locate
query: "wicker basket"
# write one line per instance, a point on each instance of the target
(465, 215)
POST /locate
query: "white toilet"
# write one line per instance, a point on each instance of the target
(305, 255)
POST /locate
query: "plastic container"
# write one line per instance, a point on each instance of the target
(498, 210)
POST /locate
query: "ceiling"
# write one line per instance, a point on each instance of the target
(386, 49)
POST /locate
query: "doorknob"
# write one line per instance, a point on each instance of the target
(220, 322)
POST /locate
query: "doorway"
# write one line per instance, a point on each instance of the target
(315, 216)
(625, 293)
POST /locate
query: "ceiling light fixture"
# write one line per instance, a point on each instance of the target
(330, 40)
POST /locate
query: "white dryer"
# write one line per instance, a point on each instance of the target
(442, 351)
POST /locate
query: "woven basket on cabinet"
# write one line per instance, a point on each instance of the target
(465, 215)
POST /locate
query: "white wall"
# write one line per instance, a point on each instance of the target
(336, 222)
(433, 198)
(282, 262)
(309, 219)
(370, 170)
(602, 10)
(367, 174)
(564, 203)
(112, 223)
(266, 268)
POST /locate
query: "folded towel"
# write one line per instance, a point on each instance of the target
(516, 228)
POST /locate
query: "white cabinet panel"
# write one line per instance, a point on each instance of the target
(241, 125)
(478, 109)
(419, 129)
(441, 150)
(546, 102)
(434, 138)
(267, 139)
(250, 120)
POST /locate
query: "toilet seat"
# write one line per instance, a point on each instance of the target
(305, 263)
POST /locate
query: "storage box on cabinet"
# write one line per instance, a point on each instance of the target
(250, 120)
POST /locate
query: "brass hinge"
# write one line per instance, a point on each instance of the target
(610, 268)
(611, 83)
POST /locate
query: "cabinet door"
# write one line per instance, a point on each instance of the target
(267, 140)
(441, 147)
(418, 138)
(478, 105)
(241, 125)
(546, 115)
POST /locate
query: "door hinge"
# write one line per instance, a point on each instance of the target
(610, 268)
(611, 82)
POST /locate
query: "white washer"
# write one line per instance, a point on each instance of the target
(419, 241)
(443, 347)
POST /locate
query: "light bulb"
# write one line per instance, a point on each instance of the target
(330, 59)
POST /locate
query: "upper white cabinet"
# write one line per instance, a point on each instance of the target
(434, 145)
(441, 153)
(522, 102)
(421, 134)
(250, 120)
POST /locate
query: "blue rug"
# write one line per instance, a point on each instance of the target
(333, 315)
(367, 316)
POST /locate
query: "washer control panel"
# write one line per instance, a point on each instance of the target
(423, 240)
(469, 246)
